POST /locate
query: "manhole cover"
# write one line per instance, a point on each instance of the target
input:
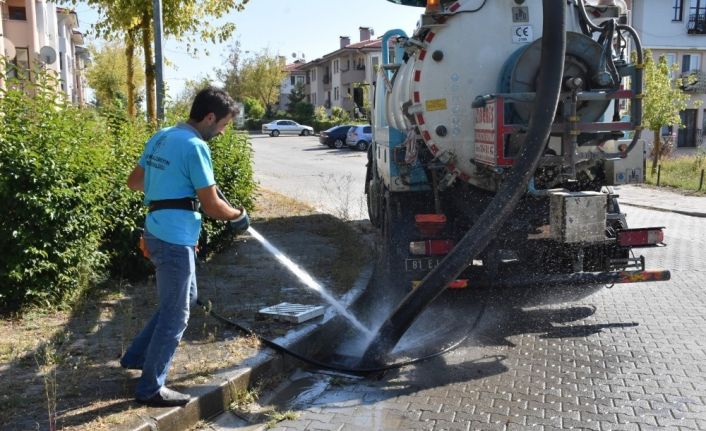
(296, 313)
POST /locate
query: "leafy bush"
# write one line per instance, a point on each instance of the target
(53, 159)
(68, 218)
(232, 164)
(253, 108)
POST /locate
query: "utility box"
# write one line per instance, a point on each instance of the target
(578, 217)
(630, 170)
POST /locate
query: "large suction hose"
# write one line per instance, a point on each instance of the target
(490, 222)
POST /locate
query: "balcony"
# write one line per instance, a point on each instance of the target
(697, 24)
(327, 79)
(353, 75)
(694, 82)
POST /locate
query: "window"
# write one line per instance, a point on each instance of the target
(335, 66)
(291, 79)
(313, 74)
(690, 62)
(19, 67)
(18, 13)
(335, 93)
(375, 61)
(313, 98)
(697, 17)
(299, 79)
(677, 10)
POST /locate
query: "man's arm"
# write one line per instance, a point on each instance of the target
(136, 179)
(216, 207)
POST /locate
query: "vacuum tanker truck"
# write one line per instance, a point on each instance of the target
(495, 126)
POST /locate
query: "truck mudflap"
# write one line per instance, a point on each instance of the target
(575, 279)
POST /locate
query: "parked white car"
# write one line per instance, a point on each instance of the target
(278, 127)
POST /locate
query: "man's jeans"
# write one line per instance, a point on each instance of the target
(153, 349)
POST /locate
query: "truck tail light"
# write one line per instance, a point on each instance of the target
(430, 224)
(641, 237)
(433, 6)
(431, 247)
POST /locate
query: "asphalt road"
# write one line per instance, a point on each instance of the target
(330, 180)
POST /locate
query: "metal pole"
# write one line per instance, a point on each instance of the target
(659, 172)
(701, 181)
(158, 60)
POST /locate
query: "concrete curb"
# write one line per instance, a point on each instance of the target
(216, 396)
(667, 210)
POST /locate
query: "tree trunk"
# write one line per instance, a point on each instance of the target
(149, 66)
(130, 57)
(656, 150)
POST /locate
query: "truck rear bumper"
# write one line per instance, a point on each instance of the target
(575, 279)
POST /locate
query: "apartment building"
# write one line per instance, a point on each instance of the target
(38, 33)
(677, 30)
(341, 78)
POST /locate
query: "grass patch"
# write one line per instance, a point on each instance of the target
(682, 173)
(277, 417)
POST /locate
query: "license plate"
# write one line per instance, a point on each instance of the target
(421, 264)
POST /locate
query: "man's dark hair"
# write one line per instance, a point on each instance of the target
(212, 99)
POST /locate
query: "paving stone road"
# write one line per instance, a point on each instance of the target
(628, 358)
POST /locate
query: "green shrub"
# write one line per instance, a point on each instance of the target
(68, 218)
(52, 184)
(232, 164)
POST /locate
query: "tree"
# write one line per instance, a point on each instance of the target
(230, 76)
(261, 77)
(185, 20)
(662, 101)
(108, 74)
(297, 95)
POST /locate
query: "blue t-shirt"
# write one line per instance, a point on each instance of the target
(177, 162)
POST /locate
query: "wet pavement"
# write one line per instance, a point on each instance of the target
(626, 358)
(611, 361)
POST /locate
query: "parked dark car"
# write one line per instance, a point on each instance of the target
(335, 137)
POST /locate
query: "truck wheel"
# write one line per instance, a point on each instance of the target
(373, 190)
(397, 226)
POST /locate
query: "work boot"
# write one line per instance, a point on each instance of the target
(165, 398)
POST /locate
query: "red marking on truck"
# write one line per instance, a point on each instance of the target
(426, 136)
(434, 149)
(422, 54)
(417, 75)
(420, 119)
(454, 7)
(430, 36)
(417, 97)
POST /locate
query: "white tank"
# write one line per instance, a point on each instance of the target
(458, 60)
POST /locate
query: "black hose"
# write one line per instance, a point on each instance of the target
(636, 108)
(327, 366)
(492, 219)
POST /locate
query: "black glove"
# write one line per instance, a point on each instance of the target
(240, 224)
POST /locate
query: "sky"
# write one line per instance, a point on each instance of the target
(309, 28)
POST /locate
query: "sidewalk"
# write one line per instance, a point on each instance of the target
(76, 354)
(662, 199)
